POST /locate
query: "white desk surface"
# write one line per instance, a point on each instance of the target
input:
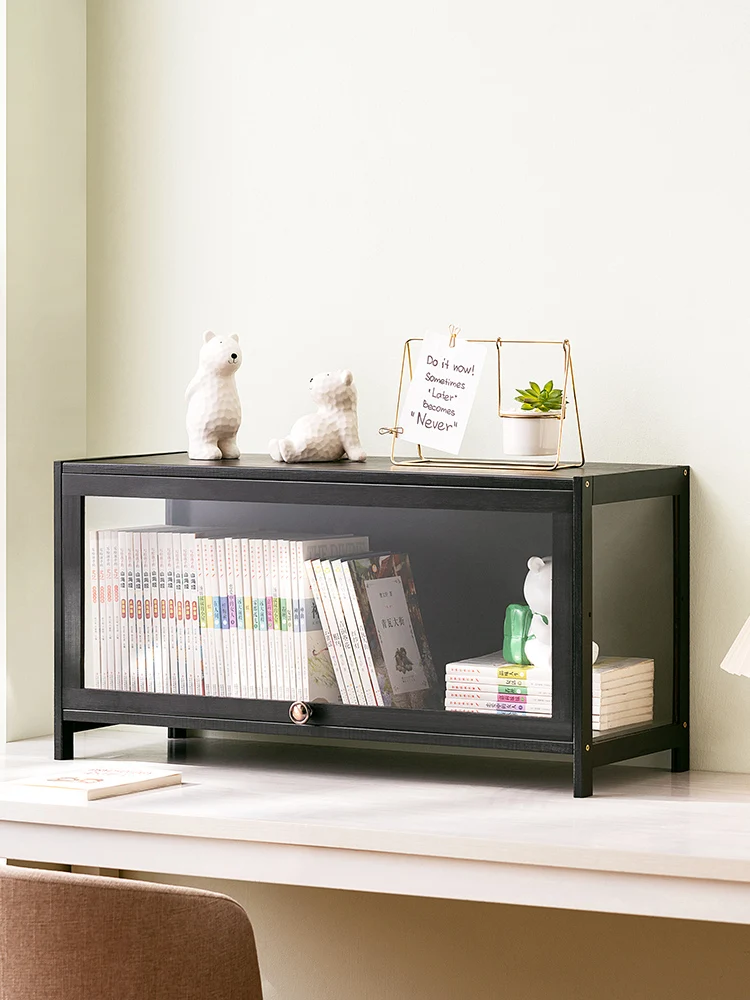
(648, 842)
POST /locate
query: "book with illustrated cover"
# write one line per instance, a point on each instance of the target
(387, 599)
(85, 784)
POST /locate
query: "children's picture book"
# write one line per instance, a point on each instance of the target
(101, 781)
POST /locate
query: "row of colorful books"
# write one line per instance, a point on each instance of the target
(315, 619)
(622, 689)
(195, 612)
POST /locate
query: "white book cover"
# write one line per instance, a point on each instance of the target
(148, 623)
(234, 642)
(150, 544)
(346, 690)
(202, 619)
(274, 647)
(319, 678)
(166, 559)
(609, 669)
(239, 597)
(96, 629)
(127, 614)
(285, 615)
(85, 784)
(338, 653)
(211, 589)
(109, 609)
(226, 646)
(643, 704)
(348, 629)
(260, 619)
(140, 632)
(190, 605)
(601, 724)
(179, 613)
(249, 618)
(353, 609)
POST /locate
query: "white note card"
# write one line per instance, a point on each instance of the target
(441, 393)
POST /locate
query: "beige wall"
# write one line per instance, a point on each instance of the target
(327, 179)
(45, 352)
(317, 944)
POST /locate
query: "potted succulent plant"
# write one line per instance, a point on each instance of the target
(535, 429)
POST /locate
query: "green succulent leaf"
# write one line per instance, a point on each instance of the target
(535, 387)
(548, 387)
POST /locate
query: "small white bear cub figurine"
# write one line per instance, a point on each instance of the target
(213, 405)
(537, 590)
(331, 432)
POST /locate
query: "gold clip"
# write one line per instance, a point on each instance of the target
(395, 431)
(454, 330)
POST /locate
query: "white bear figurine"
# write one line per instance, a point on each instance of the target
(537, 590)
(331, 432)
(213, 405)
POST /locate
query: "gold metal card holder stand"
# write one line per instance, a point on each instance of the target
(555, 461)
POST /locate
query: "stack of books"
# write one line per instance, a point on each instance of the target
(623, 692)
(623, 689)
(181, 611)
(490, 685)
(372, 623)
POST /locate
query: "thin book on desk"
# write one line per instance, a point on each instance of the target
(85, 784)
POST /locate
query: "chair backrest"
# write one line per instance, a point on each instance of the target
(86, 937)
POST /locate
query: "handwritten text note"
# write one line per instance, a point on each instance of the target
(441, 393)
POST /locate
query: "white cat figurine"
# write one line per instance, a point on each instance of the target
(537, 590)
(331, 432)
(213, 405)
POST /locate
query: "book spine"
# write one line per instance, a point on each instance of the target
(350, 625)
(109, 610)
(362, 632)
(148, 624)
(96, 631)
(234, 643)
(493, 711)
(276, 690)
(236, 546)
(492, 704)
(282, 681)
(285, 617)
(190, 607)
(223, 636)
(127, 652)
(520, 674)
(151, 545)
(117, 628)
(337, 647)
(166, 557)
(304, 626)
(192, 597)
(260, 617)
(200, 587)
(247, 607)
(135, 537)
(474, 687)
(346, 689)
(179, 597)
(209, 586)
(166, 654)
(299, 664)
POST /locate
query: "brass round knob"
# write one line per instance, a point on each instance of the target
(300, 712)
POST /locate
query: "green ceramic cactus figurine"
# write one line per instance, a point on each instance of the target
(516, 632)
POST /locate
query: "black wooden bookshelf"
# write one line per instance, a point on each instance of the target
(618, 534)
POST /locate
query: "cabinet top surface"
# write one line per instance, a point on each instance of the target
(376, 469)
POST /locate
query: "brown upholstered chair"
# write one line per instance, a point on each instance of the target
(86, 937)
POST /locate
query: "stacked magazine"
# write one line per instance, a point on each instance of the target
(622, 689)
(184, 611)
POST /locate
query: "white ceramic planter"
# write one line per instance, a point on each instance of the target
(531, 434)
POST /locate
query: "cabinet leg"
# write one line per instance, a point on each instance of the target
(681, 758)
(583, 775)
(64, 737)
(176, 734)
